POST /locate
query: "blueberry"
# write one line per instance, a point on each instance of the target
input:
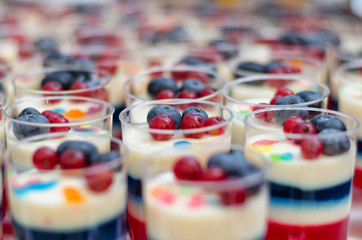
(88, 149)
(177, 34)
(323, 121)
(334, 145)
(192, 61)
(83, 66)
(292, 38)
(275, 64)
(46, 45)
(66, 79)
(22, 130)
(283, 115)
(170, 111)
(327, 36)
(251, 67)
(193, 84)
(158, 84)
(90, 79)
(109, 156)
(28, 111)
(228, 50)
(195, 110)
(309, 96)
(55, 58)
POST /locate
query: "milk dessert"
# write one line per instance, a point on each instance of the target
(349, 94)
(145, 128)
(199, 83)
(44, 198)
(247, 94)
(198, 198)
(312, 158)
(55, 114)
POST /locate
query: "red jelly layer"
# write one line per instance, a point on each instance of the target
(137, 228)
(332, 231)
(357, 179)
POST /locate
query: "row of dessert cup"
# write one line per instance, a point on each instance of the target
(167, 198)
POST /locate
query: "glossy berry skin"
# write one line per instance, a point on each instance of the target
(64, 78)
(214, 121)
(233, 197)
(45, 158)
(28, 111)
(266, 116)
(54, 117)
(80, 86)
(158, 84)
(193, 85)
(109, 156)
(187, 168)
(23, 130)
(233, 163)
(334, 145)
(303, 128)
(170, 111)
(187, 94)
(214, 174)
(282, 116)
(162, 122)
(195, 110)
(251, 67)
(290, 123)
(72, 159)
(327, 121)
(191, 121)
(52, 86)
(284, 92)
(46, 45)
(309, 96)
(208, 91)
(165, 94)
(99, 178)
(88, 149)
(311, 148)
(275, 99)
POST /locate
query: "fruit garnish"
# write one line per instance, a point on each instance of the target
(45, 158)
(214, 121)
(99, 177)
(213, 174)
(195, 110)
(158, 84)
(165, 94)
(327, 121)
(290, 122)
(303, 128)
(72, 159)
(187, 168)
(54, 117)
(283, 91)
(334, 145)
(170, 111)
(187, 94)
(162, 121)
(191, 121)
(311, 148)
(266, 116)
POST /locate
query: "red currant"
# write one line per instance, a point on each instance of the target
(213, 121)
(283, 91)
(52, 86)
(187, 168)
(214, 173)
(303, 128)
(191, 121)
(162, 121)
(166, 94)
(77, 85)
(72, 159)
(208, 91)
(235, 197)
(99, 177)
(188, 94)
(290, 122)
(311, 148)
(201, 76)
(45, 158)
(54, 117)
(275, 100)
(266, 116)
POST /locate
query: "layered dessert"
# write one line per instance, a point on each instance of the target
(157, 125)
(209, 199)
(306, 201)
(74, 191)
(254, 93)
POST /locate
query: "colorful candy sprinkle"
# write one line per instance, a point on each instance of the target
(182, 144)
(186, 190)
(34, 186)
(281, 157)
(264, 142)
(74, 113)
(196, 201)
(163, 195)
(244, 112)
(73, 195)
(59, 110)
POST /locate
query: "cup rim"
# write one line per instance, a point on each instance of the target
(354, 64)
(124, 115)
(270, 77)
(350, 131)
(103, 103)
(170, 69)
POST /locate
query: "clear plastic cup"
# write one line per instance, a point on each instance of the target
(256, 92)
(81, 203)
(311, 174)
(3, 103)
(179, 209)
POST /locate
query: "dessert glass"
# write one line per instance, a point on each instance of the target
(310, 189)
(3, 103)
(59, 204)
(84, 115)
(136, 87)
(179, 209)
(137, 138)
(245, 94)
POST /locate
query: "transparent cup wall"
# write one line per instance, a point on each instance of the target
(254, 92)
(84, 115)
(179, 209)
(136, 87)
(139, 139)
(43, 203)
(311, 174)
(349, 80)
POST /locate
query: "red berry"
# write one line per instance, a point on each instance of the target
(52, 86)
(72, 159)
(54, 117)
(283, 91)
(208, 91)
(311, 148)
(187, 168)
(275, 100)
(45, 158)
(99, 177)
(213, 121)
(201, 76)
(233, 197)
(100, 94)
(155, 64)
(266, 116)
(107, 66)
(162, 121)
(166, 94)
(214, 174)
(290, 122)
(80, 86)
(303, 128)
(187, 93)
(191, 121)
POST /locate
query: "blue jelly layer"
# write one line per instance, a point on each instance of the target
(114, 229)
(261, 238)
(337, 192)
(117, 111)
(359, 148)
(134, 186)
